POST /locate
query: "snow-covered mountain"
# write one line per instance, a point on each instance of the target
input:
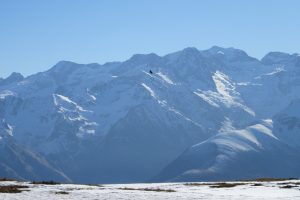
(265, 149)
(119, 122)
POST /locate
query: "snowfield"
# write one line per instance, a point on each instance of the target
(289, 189)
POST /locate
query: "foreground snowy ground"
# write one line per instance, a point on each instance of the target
(289, 189)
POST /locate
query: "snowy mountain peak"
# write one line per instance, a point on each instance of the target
(216, 49)
(142, 58)
(230, 54)
(63, 67)
(16, 76)
(13, 78)
(186, 55)
(190, 50)
(62, 70)
(277, 58)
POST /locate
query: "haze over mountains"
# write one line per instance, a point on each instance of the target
(216, 114)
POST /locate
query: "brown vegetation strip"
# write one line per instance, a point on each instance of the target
(226, 185)
(148, 189)
(257, 184)
(268, 179)
(62, 192)
(198, 184)
(6, 179)
(12, 188)
(45, 183)
(289, 183)
(216, 185)
(288, 186)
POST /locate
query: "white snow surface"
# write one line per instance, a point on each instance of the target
(6, 93)
(245, 191)
(225, 94)
(152, 93)
(165, 78)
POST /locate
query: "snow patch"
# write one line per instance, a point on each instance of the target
(263, 129)
(5, 128)
(165, 78)
(186, 118)
(152, 93)
(231, 146)
(6, 93)
(276, 71)
(64, 98)
(229, 96)
(208, 97)
(64, 103)
(226, 126)
(93, 97)
(225, 94)
(223, 85)
(248, 83)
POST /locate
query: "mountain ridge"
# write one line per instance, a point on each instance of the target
(213, 49)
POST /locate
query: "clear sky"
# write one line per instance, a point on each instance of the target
(36, 34)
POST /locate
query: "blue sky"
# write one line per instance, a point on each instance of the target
(36, 34)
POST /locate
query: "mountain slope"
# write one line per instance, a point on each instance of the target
(266, 149)
(22, 163)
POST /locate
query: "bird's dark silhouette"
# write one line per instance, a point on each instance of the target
(150, 71)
